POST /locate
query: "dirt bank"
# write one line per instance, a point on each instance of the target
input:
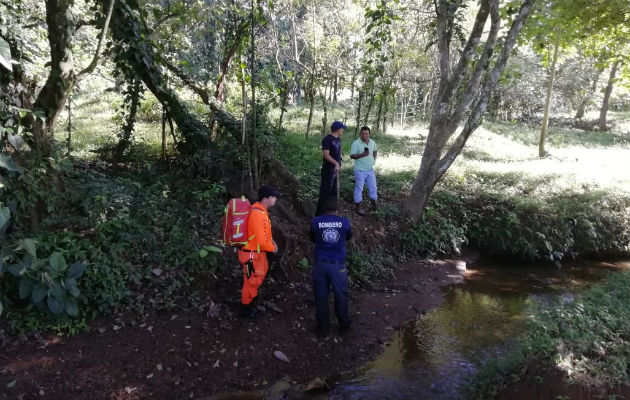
(193, 355)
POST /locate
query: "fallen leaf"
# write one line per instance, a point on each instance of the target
(159, 367)
(216, 364)
(11, 384)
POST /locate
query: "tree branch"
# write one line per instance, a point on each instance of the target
(99, 47)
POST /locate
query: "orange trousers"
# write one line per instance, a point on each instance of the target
(251, 284)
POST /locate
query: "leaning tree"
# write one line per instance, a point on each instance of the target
(464, 87)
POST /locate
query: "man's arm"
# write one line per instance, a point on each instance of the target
(262, 230)
(328, 158)
(356, 153)
(374, 154)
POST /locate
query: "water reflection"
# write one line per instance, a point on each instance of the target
(431, 357)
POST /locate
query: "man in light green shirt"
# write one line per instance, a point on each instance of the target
(363, 152)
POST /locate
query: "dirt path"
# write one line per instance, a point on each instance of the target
(193, 355)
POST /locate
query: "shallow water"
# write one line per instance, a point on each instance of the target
(433, 355)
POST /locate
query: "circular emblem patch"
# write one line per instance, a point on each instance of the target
(330, 236)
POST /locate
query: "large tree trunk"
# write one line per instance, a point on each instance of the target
(581, 110)
(54, 94)
(139, 54)
(607, 93)
(463, 92)
(545, 122)
(128, 127)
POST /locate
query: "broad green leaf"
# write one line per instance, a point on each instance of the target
(5, 216)
(203, 253)
(15, 269)
(29, 246)
(76, 270)
(40, 114)
(7, 163)
(39, 292)
(26, 287)
(214, 249)
(71, 307)
(5, 55)
(55, 306)
(71, 287)
(56, 291)
(23, 113)
(57, 262)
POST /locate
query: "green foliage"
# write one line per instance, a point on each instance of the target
(442, 229)
(143, 238)
(367, 267)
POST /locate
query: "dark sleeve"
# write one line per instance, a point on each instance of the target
(326, 143)
(349, 231)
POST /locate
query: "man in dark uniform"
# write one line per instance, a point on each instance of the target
(330, 232)
(331, 164)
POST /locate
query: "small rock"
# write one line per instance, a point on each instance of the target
(159, 367)
(316, 384)
(281, 356)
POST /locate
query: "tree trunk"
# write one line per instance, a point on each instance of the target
(311, 99)
(69, 146)
(163, 134)
(581, 110)
(607, 93)
(325, 116)
(545, 122)
(52, 98)
(283, 104)
(128, 127)
(366, 120)
(127, 29)
(463, 93)
(357, 126)
(254, 124)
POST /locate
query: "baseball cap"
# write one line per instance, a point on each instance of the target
(337, 125)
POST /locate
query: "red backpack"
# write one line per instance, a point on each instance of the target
(234, 222)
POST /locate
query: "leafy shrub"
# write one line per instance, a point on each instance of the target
(364, 267)
(442, 229)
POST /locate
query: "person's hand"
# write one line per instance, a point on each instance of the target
(275, 247)
(366, 153)
(337, 167)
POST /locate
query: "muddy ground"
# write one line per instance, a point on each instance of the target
(214, 352)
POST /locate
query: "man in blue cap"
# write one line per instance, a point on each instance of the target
(331, 164)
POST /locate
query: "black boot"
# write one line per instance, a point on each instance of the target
(374, 204)
(358, 209)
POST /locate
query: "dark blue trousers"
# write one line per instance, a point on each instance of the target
(327, 188)
(324, 277)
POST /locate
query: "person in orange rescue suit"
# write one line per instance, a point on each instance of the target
(253, 256)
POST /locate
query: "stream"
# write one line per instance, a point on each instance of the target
(432, 356)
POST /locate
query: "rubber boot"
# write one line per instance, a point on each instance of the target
(374, 204)
(358, 209)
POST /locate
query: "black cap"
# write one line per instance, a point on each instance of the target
(267, 191)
